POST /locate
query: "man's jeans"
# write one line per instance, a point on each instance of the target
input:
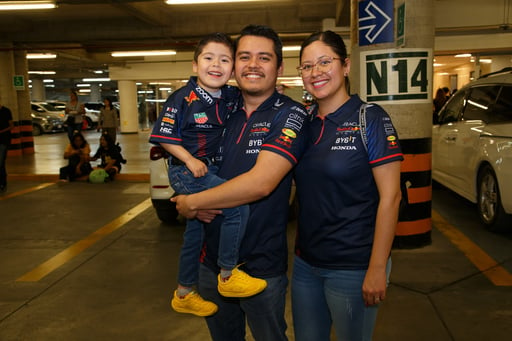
(232, 230)
(264, 312)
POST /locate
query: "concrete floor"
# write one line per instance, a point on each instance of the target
(92, 262)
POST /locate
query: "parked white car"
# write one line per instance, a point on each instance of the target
(472, 147)
(91, 115)
(160, 189)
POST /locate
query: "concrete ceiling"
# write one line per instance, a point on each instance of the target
(83, 32)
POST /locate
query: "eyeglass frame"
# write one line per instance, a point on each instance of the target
(315, 65)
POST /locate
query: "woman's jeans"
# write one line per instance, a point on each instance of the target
(232, 230)
(263, 312)
(323, 297)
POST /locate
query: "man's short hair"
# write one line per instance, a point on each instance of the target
(266, 32)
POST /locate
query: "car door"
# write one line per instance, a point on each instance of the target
(444, 137)
(468, 148)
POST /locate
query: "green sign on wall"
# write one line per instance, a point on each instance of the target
(18, 82)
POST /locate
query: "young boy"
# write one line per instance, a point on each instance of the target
(190, 128)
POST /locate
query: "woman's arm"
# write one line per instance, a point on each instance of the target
(387, 178)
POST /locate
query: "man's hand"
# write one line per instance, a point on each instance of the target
(204, 215)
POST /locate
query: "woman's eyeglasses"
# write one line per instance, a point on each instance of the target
(323, 64)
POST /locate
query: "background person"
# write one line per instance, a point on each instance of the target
(348, 202)
(263, 141)
(78, 155)
(109, 155)
(6, 125)
(108, 119)
(75, 111)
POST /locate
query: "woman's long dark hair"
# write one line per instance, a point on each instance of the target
(334, 41)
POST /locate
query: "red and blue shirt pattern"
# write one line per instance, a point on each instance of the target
(276, 126)
(191, 117)
(338, 197)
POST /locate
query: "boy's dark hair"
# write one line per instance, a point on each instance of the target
(216, 37)
(266, 32)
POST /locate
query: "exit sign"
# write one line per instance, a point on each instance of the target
(396, 75)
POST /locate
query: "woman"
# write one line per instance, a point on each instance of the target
(348, 199)
(108, 120)
(109, 155)
(75, 111)
(78, 155)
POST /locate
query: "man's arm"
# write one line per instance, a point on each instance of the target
(257, 183)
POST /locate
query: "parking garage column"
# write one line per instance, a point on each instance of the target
(128, 106)
(14, 94)
(95, 93)
(392, 55)
(38, 90)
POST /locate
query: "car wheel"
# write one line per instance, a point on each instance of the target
(490, 209)
(166, 211)
(36, 130)
(89, 123)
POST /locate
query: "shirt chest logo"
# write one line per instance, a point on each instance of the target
(200, 117)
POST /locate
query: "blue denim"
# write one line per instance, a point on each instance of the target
(232, 230)
(264, 312)
(3, 157)
(72, 127)
(324, 297)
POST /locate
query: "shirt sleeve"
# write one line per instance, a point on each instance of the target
(383, 143)
(287, 133)
(167, 126)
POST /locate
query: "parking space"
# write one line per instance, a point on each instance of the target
(83, 261)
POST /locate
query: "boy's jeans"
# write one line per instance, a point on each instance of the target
(232, 230)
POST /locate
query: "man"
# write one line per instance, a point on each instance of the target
(262, 142)
(6, 125)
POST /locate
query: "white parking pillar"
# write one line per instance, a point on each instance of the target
(128, 106)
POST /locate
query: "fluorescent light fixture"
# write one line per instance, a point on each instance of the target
(438, 64)
(143, 53)
(41, 56)
(485, 60)
(49, 85)
(195, 2)
(83, 85)
(463, 55)
(42, 72)
(84, 90)
(95, 79)
(48, 80)
(291, 48)
(26, 5)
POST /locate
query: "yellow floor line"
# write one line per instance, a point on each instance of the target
(27, 190)
(485, 263)
(75, 249)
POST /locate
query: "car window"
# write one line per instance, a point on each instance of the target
(480, 103)
(453, 108)
(502, 111)
(36, 108)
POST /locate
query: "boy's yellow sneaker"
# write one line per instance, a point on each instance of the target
(240, 284)
(193, 303)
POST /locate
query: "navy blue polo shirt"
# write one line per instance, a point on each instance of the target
(276, 126)
(191, 117)
(337, 194)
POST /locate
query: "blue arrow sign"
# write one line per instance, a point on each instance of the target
(375, 22)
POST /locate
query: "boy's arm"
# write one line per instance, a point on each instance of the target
(198, 168)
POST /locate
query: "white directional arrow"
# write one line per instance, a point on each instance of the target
(375, 17)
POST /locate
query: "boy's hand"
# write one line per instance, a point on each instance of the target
(197, 167)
